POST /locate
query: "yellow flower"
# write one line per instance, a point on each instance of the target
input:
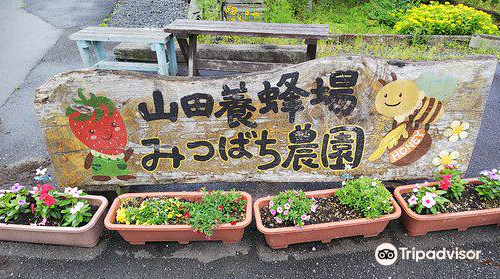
(121, 215)
(457, 131)
(446, 158)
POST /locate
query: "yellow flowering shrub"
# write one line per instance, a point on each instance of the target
(151, 211)
(445, 19)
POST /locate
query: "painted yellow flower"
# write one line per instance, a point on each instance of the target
(121, 215)
(457, 130)
(446, 158)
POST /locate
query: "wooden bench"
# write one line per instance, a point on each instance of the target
(185, 29)
(93, 37)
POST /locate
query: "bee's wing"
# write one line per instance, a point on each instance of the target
(435, 87)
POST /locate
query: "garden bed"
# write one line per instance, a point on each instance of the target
(465, 212)
(328, 218)
(180, 229)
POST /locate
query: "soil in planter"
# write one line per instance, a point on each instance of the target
(329, 210)
(469, 201)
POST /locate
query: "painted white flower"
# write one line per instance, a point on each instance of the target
(41, 172)
(348, 167)
(428, 200)
(446, 158)
(457, 130)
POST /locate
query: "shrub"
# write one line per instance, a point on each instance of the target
(151, 211)
(490, 189)
(427, 200)
(451, 182)
(445, 19)
(366, 195)
(291, 206)
(388, 12)
(280, 11)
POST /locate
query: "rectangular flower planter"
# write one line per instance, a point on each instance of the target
(86, 236)
(417, 224)
(138, 234)
(278, 238)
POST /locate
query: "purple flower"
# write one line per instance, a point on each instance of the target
(296, 193)
(21, 202)
(303, 217)
(44, 221)
(285, 212)
(271, 203)
(287, 206)
(16, 188)
(273, 212)
(412, 200)
(279, 209)
(494, 176)
(314, 207)
(289, 200)
(278, 220)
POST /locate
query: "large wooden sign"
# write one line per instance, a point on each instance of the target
(315, 121)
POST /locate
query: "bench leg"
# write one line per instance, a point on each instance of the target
(192, 55)
(311, 49)
(161, 57)
(99, 50)
(172, 58)
(84, 49)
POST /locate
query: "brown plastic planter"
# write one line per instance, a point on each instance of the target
(86, 236)
(278, 238)
(183, 234)
(417, 224)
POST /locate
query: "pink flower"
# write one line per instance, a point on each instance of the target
(289, 200)
(428, 200)
(271, 203)
(303, 217)
(278, 220)
(412, 200)
(279, 209)
(296, 193)
(287, 206)
(44, 221)
(285, 212)
(273, 212)
(21, 202)
(16, 188)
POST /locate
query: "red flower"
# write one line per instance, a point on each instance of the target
(221, 207)
(187, 215)
(449, 167)
(218, 220)
(243, 198)
(32, 206)
(237, 200)
(45, 189)
(445, 184)
(446, 177)
(49, 200)
(233, 223)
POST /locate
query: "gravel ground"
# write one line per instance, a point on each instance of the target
(148, 13)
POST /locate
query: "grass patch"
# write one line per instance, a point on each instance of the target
(404, 50)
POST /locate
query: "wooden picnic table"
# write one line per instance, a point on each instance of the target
(184, 29)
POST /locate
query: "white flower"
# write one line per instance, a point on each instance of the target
(457, 131)
(40, 171)
(446, 158)
(343, 182)
(374, 183)
(74, 192)
(412, 200)
(76, 208)
(348, 167)
(494, 170)
(428, 201)
(485, 173)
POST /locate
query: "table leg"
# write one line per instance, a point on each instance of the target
(84, 49)
(99, 50)
(311, 49)
(192, 55)
(172, 58)
(184, 46)
(161, 57)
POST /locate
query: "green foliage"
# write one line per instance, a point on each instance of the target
(215, 208)
(490, 189)
(45, 203)
(388, 12)
(445, 19)
(280, 11)
(291, 206)
(210, 9)
(450, 181)
(366, 195)
(151, 211)
(427, 200)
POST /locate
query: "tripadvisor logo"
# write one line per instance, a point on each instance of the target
(387, 254)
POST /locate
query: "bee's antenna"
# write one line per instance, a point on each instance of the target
(383, 82)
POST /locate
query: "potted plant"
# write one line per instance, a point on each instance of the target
(362, 207)
(44, 214)
(181, 216)
(450, 202)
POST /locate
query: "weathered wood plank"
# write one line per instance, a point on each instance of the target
(128, 35)
(238, 66)
(127, 66)
(127, 90)
(260, 29)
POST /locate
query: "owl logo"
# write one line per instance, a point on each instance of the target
(413, 105)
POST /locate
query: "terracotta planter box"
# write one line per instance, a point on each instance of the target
(278, 238)
(417, 224)
(135, 234)
(86, 236)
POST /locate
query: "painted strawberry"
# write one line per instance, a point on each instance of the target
(97, 123)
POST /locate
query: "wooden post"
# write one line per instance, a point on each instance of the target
(172, 58)
(192, 55)
(161, 57)
(99, 50)
(311, 49)
(84, 49)
(184, 46)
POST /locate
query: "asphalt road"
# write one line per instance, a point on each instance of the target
(35, 46)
